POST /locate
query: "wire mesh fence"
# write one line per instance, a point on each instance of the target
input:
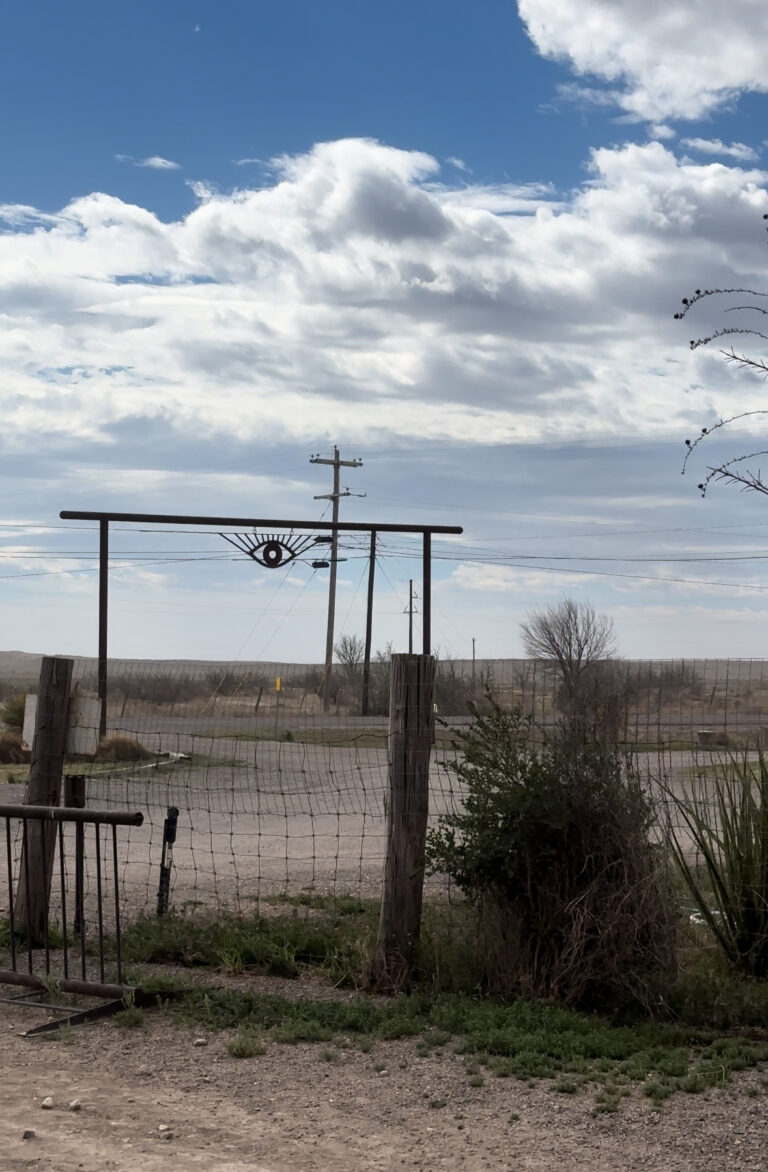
(278, 793)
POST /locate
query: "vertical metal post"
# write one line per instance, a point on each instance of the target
(426, 623)
(11, 900)
(116, 880)
(103, 623)
(74, 798)
(99, 901)
(166, 859)
(368, 628)
(63, 878)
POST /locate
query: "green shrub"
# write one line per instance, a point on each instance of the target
(552, 848)
(721, 848)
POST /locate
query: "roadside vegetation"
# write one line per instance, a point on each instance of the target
(577, 946)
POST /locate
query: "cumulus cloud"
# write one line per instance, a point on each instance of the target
(661, 60)
(715, 146)
(154, 162)
(360, 293)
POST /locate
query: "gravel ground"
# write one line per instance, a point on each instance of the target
(292, 1110)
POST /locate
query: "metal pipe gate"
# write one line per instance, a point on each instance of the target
(25, 962)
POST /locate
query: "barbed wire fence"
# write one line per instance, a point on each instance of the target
(275, 796)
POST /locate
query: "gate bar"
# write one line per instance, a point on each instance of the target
(67, 985)
(71, 814)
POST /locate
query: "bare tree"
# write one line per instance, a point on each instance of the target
(349, 652)
(572, 635)
(735, 470)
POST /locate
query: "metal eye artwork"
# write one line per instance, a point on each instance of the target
(270, 549)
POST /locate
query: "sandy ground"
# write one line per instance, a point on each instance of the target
(292, 1110)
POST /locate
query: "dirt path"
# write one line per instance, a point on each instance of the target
(292, 1110)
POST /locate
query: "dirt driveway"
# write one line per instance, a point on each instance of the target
(293, 1110)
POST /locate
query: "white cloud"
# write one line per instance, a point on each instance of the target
(358, 294)
(154, 162)
(505, 579)
(715, 146)
(158, 163)
(671, 60)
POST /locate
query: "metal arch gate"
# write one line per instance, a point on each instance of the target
(31, 954)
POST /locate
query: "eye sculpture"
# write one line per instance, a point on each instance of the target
(270, 549)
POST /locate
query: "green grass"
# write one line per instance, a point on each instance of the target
(132, 1016)
(522, 1040)
(275, 945)
(710, 1005)
(14, 774)
(518, 1040)
(247, 1044)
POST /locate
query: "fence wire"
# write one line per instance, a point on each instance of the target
(276, 795)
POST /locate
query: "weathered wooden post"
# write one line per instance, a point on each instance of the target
(43, 789)
(411, 723)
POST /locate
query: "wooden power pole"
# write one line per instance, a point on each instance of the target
(336, 463)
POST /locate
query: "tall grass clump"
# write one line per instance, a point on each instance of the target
(552, 849)
(720, 845)
(11, 749)
(12, 712)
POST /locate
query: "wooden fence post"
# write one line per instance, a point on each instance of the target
(411, 725)
(43, 789)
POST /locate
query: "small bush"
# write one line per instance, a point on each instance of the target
(12, 712)
(121, 749)
(552, 848)
(11, 752)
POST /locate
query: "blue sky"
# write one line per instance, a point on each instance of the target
(450, 238)
(208, 84)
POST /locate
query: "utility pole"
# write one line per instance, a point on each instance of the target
(410, 612)
(410, 616)
(336, 463)
(368, 628)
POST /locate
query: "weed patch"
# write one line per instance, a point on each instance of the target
(522, 1039)
(277, 946)
(247, 1044)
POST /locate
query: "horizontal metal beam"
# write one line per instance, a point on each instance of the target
(256, 522)
(72, 814)
(66, 985)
